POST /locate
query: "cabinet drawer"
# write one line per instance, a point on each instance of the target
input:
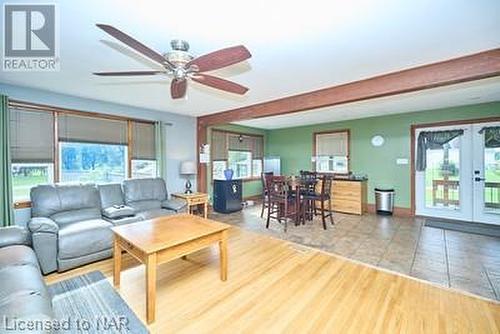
(198, 200)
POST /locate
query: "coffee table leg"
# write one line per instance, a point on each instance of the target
(223, 256)
(151, 287)
(205, 210)
(117, 262)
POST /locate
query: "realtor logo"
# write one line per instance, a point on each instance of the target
(30, 37)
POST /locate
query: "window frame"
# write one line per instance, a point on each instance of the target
(56, 111)
(316, 134)
(227, 133)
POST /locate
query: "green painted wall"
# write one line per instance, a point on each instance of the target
(250, 188)
(294, 145)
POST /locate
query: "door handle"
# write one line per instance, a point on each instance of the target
(479, 179)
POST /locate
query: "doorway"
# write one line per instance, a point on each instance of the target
(459, 173)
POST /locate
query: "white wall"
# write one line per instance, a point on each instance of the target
(180, 137)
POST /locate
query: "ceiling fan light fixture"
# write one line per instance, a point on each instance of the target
(179, 54)
(181, 65)
(180, 73)
(179, 45)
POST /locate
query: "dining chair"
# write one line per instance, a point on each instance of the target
(308, 181)
(284, 204)
(325, 196)
(265, 179)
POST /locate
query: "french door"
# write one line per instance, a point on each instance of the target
(462, 179)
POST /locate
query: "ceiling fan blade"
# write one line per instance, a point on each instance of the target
(178, 88)
(221, 58)
(133, 43)
(120, 74)
(219, 83)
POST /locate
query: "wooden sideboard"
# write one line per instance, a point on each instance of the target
(348, 196)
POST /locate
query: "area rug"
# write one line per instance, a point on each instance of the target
(89, 304)
(466, 227)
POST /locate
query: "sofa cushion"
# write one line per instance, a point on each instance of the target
(26, 306)
(145, 205)
(48, 200)
(72, 216)
(155, 213)
(114, 212)
(83, 238)
(14, 235)
(18, 280)
(23, 294)
(18, 256)
(174, 204)
(144, 189)
(111, 194)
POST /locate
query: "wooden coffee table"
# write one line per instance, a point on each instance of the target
(160, 240)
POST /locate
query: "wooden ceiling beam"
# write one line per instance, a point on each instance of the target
(468, 68)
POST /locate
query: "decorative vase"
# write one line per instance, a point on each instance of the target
(228, 174)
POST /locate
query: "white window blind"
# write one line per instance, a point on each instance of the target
(332, 144)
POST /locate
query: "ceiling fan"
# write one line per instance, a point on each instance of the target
(181, 65)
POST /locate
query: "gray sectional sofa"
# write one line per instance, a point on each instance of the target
(70, 224)
(23, 293)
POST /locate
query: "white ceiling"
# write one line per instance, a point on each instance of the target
(481, 91)
(296, 46)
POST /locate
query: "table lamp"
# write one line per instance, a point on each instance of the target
(188, 168)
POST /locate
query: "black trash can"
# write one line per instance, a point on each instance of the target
(384, 201)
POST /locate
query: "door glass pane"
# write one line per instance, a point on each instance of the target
(492, 180)
(442, 183)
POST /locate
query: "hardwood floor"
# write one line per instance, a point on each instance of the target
(463, 261)
(276, 286)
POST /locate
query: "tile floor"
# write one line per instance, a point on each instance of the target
(462, 261)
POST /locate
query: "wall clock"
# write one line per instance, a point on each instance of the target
(378, 140)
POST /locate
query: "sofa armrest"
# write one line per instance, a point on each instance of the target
(44, 233)
(42, 225)
(177, 205)
(14, 235)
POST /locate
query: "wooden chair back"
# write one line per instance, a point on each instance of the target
(266, 180)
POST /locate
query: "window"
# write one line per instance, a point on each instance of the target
(143, 169)
(27, 175)
(332, 151)
(242, 153)
(32, 150)
(241, 164)
(96, 163)
(143, 153)
(91, 148)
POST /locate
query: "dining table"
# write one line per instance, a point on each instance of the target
(306, 187)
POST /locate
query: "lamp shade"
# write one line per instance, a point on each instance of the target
(188, 168)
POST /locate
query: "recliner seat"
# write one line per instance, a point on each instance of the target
(23, 293)
(149, 197)
(67, 227)
(71, 224)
